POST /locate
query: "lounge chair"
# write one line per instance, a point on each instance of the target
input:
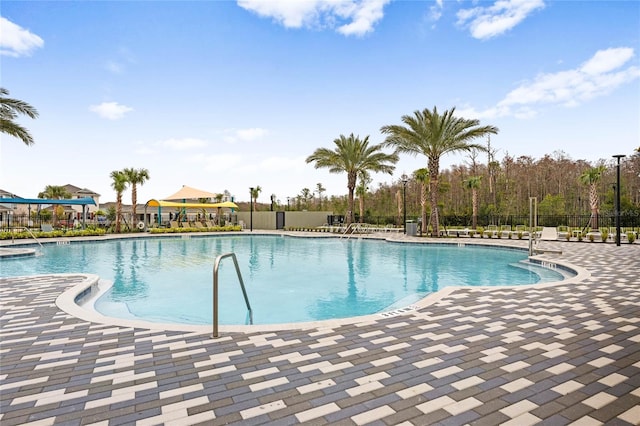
(198, 224)
(505, 231)
(174, 224)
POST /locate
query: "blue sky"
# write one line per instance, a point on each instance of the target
(225, 95)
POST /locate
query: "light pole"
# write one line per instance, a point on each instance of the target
(618, 157)
(405, 179)
(288, 199)
(251, 209)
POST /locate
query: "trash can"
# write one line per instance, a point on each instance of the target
(412, 228)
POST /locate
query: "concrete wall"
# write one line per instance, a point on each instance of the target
(267, 220)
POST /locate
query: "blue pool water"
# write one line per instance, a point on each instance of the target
(287, 279)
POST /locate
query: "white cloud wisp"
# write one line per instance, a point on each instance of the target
(495, 20)
(598, 76)
(348, 17)
(16, 41)
(110, 110)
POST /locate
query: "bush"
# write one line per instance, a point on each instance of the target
(631, 237)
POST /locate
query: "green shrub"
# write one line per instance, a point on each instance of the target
(631, 237)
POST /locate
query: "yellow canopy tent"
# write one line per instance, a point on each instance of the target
(186, 205)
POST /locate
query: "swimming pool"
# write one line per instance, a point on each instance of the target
(287, 279)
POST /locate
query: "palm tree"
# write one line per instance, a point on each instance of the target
(119, 184)
(353, 156)
(55, 192)
(254, 194)
(473, 183)
(433, 135)
(9, 110)
(135, 177)
(591, 177)
(361, 191)
(320, 189)
(422, 176)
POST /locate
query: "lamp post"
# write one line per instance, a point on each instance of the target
(405, 179)
(288, 199)
(251, 209)
(618, 157)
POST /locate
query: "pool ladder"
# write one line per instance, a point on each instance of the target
(216, 266)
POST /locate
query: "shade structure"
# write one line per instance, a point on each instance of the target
(189, 193)
(163, 203)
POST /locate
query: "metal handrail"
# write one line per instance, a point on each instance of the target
(30, 233)
(216, 266)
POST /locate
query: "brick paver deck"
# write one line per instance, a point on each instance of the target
(562, 354)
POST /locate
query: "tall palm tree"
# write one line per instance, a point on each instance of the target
(433, 135)
(473, 183)
(591, 177)
(254, 194)
(361, 191)
(320, 189)
(135, 177)
(353, 156)
(422, 176)
(9, 110)
(119, 184)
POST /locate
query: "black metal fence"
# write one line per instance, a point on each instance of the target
(627, 220)
(14, 221)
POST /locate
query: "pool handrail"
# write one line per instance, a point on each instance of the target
(216, 266)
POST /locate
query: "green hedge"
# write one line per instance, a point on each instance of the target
(6, 235)
(182, 230)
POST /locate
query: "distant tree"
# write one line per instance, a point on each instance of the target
(306, 195)
(135, 177)
(591, 178)
(55, 192)
(422, 177)
(119, 184)
(473, 183)
(433, 135)
(9, 111)
(352, 156)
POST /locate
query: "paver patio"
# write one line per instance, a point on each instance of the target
(556, 355)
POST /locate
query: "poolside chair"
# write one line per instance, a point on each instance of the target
(208, 224)
(174, 224)
(198, 224)
(562, 232)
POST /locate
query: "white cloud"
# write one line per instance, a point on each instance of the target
(348, 17)
(503, 15)
(598, 76)
(16, 41)
(183, 144)
(110, 110)
(244, 135)
(607, 60)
